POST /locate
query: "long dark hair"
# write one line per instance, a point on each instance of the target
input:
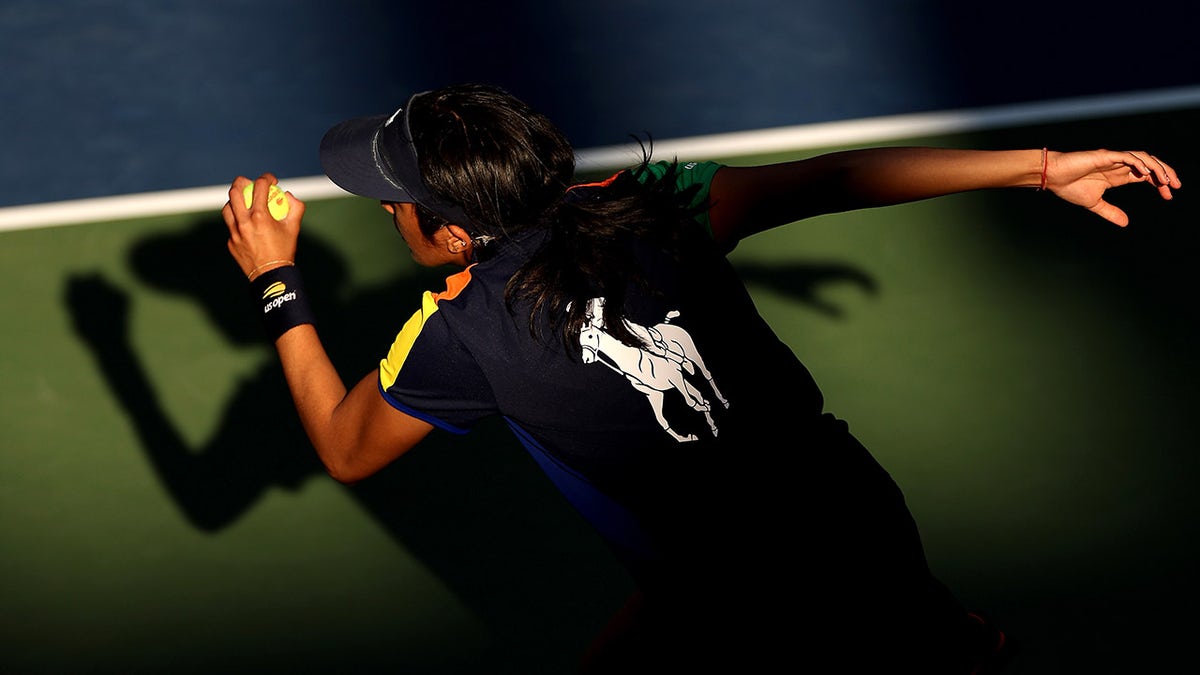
(512, 169)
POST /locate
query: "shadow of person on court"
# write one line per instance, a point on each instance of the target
(257, 444)
(477, 512)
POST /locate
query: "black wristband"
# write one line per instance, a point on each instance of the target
(282, 300)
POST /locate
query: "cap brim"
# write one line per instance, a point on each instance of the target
(348, 157)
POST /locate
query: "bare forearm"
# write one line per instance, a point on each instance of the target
(316, 388)
(746, 200)
(336, 419)
(751, 199)
(885, 176)
(354, 432)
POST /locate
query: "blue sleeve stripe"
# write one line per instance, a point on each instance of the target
(425, 417)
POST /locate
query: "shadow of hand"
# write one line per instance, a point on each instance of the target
(802, 281)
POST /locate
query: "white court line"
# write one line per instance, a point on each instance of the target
(726, 146)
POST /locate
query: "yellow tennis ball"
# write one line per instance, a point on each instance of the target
(277, 201)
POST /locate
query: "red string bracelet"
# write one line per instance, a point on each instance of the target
(1045, 157)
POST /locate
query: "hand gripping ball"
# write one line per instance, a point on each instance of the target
(277, 202)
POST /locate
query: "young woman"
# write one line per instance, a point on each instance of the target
(605, 325)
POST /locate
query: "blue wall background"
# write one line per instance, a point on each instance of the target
(104, 97)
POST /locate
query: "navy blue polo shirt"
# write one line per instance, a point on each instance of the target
(614, 425)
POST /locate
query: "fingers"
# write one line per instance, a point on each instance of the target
(235, 193)
(239, 214)
(1084, 178)
(262, 186)
(235, 208)
(262, 191)
(1156, 171)
(1110, 213)
(295, 207)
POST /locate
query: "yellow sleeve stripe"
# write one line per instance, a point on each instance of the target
(389, 368)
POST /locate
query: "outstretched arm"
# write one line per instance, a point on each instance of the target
(747, 200)
(355, 432)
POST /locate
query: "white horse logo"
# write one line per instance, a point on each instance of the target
(655, 368)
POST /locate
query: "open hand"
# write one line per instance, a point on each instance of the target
(1082, 178)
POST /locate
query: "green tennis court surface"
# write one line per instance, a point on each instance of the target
(1025, 370)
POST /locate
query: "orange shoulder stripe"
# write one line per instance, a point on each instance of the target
(455, 283)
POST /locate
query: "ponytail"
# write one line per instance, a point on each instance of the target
(594, 232)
